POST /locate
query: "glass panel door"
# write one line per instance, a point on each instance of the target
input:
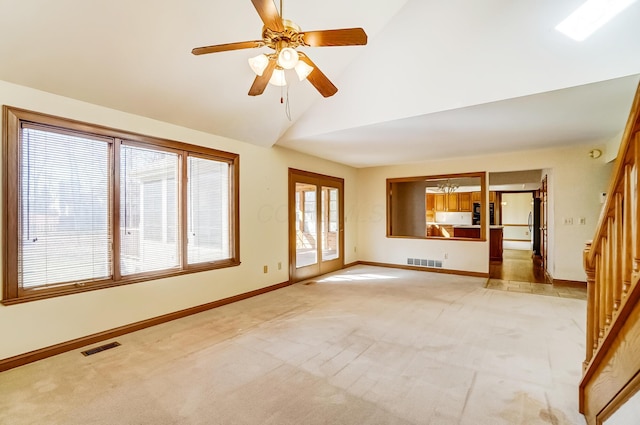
(330, 224)
(306, 225)
(315, 224)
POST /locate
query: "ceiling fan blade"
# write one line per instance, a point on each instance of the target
(261, 81)
(341, 37)
(269, 14)
(318, 79)
(226, 47)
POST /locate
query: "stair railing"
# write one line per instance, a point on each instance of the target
(612, 264)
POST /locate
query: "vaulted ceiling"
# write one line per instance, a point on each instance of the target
(437, 79)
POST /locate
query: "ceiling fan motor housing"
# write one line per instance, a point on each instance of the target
(290, 37)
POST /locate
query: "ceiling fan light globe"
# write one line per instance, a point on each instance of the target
(287, 58)
(259, 63)
(278, 78)
(303, 70)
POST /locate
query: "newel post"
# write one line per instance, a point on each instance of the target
(590, 269)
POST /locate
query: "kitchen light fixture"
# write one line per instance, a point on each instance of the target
(592, 15)
(448, 187)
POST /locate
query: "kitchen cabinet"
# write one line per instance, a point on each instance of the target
(466, 232)
(429, 208)
(440, 230)
(464, 201)
(492, 196)
(452, 202)
(495, 243)
(440, 202)
(430, 202)
(475, 197)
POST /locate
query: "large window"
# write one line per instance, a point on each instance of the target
(88, 207)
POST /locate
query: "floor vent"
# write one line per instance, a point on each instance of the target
(423, 262)
(101, 348)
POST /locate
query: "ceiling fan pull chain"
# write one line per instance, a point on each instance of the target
(287, 106)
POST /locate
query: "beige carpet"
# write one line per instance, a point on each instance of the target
(364, 346)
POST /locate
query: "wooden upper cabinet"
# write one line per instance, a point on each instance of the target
(492, 196)
(439, 201)
(464, 201)
(475, 197)
(430, 202)
(430, 214)
(452, 202)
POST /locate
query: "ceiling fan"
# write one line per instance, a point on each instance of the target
(284, 36)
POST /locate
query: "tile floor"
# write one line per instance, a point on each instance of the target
(538, 288)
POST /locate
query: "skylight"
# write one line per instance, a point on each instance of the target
(592, 15)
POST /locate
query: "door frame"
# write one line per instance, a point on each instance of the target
(321, 267)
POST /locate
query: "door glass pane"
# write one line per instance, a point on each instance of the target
(148, 216)
(330, 233)
(306, 228)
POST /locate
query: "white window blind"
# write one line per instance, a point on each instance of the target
(64, 222)
(148, 214)
(208, 210)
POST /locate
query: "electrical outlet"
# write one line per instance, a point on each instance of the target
(265, 269)
(583, 220)
(279, 265)
(568, 221)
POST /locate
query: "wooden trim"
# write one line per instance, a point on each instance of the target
(614, 363)
(613, 312)
(618, 173)
(10, 197)
(40, 294)
(129, 136)
(516, 240)
(13, 118)
(484, 218)
(317, 181)
(32, 356)
(569, 283)
(621, 398)
(422, 269)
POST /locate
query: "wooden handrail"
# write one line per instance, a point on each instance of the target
(612, 265)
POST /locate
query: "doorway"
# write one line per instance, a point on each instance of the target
(316, 224)
(521, 215)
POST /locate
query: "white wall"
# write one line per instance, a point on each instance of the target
(263, 236)
(574, 183)
(574, 180)
(517, 209)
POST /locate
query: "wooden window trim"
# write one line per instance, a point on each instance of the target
(12, 121)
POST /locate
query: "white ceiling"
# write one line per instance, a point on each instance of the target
(437, 79)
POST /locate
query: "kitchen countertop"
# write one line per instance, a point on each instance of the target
(475, 226)
(462, 226)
